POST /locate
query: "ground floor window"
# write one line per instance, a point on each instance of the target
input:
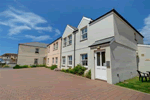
(48, 60)
(70, 60)
(36, 61)
(63, 60)
(52, 60)
(84, 59)
(56, 60)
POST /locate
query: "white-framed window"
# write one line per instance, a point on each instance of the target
(70, 39)
(65, 41)
(36, 50)
(63, 60)
(49, 49)
(35, 61)
(84, 33)
(56, 60)
(84, 59)
(52, 60)
(70, 60)
(48, 60)
(56, 46)
(135, 37)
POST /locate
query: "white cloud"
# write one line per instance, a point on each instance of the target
(57, 32)
(38, 38)
(18, 29)
(19, 20)
(146, 30)
(44, 28)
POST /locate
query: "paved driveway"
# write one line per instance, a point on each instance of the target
(44, 84)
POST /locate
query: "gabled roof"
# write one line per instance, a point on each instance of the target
(54, 41)
(73, 27)
(113, 10)
(35, 44)
(102, 41)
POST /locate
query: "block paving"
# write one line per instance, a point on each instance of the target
(45, 84)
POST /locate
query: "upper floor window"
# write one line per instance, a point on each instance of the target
(135, 37)
(36, 50)
(84, 33)
(70, 39)
(69, 60)
(63, 60)
(84, 59)
(56, 46)
(49, 49)
(65, 42)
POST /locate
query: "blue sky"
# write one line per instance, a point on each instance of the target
(24, 21)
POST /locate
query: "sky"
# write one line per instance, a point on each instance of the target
(23, 21)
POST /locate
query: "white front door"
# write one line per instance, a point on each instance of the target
(100, 66)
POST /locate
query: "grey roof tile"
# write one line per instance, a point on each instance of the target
(102, 41)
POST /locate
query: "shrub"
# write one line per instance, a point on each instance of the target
(79, 69)
(71, 70)
(63, 70)
(41, 65)
(67, 70)
(18, 66)
(24, 66)
(88, 74)
(33, 65)
(53, 67)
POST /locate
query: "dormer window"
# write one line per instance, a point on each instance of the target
(84, 33)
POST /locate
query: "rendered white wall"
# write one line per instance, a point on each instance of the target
(123, 62)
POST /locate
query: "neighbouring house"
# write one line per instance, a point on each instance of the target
(54, 53)
(143, 57)
(32, 53)
(9, 59)
(106, 45)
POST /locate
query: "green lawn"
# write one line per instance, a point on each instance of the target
(135, 84)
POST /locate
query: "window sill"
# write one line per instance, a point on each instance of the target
(86, 66)
(83, 40)
(63, 65)
(69, 65)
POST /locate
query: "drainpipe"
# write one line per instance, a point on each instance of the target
(60, 52)
(74, 47)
